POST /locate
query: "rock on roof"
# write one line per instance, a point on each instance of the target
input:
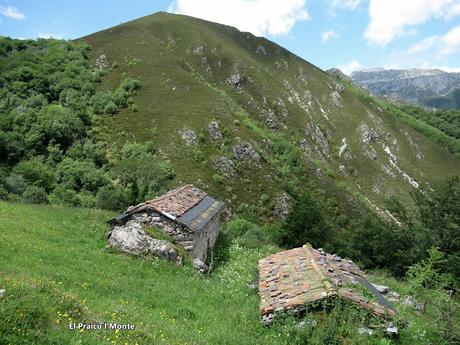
(293, 278)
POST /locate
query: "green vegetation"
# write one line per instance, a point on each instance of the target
(56, 270)
(447, 121)
(52, 146)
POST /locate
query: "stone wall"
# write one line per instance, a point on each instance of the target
(196, 243)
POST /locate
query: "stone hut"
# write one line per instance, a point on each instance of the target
(187, 214)
(293, 279)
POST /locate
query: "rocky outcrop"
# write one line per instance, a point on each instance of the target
(282, 205)
(418, 86)
(189, 137)
(131, 238)
(102, 62)
(225, 166)
(214, 131)
(236, 81)
(246, 152)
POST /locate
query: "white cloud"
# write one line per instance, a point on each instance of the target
(327, 35)
(350, 67)
(439, 46)
(350, 4)
(259, 17)
(12, 12)
(47, 36)
(390, 19)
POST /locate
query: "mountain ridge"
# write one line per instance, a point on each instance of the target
(268, 104)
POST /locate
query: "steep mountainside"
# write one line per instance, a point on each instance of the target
(249, 121)
(428, 87)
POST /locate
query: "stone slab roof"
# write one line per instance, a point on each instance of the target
(294, 278)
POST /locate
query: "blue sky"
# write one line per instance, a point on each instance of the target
(350, 34)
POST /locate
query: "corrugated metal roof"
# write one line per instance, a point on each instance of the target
(197, 217)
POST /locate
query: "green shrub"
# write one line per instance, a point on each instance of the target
(305, 223)
(15, 184)
(237, 227)
(112, 198)
(62, 196)
(35, 195)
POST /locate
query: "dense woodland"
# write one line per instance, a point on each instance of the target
(54, 149)
(52, 145)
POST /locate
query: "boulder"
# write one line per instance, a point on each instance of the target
(200, 265)
(189, 137)
(225, 166)
(282, 205)
(214, 131)
(236, 81)
(102, 62)
(408, 301)
(246, 152)
(131, 238)
(2, 293)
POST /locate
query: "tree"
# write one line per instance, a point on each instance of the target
(305, 223)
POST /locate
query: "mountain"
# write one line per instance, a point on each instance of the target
(427, 87)
(252, 123)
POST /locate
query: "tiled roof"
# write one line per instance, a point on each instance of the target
(178, 201)
(296, 277)
(187, 205)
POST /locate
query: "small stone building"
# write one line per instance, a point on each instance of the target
(293, 279)
(187, 214)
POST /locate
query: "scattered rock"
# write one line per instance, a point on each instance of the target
(343, 170)
(420, 307)
(267, 319)
(271, 122)
(392, 331)
(261, 50)
(394, 295)
(102, 62)
(282, 205)
(236, 80)
(200, 49)
(245, 151)
(214, 131)
(381, 288)
(225, 166)
(322, 144)
(189, 137)
(200, 265)
(364, 330)
(368, 136)
(2, 293)
(408, 301)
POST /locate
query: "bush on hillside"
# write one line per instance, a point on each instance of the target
(35, 195)
(306, 223)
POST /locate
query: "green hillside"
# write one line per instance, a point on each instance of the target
(56, 269)
(310, 131)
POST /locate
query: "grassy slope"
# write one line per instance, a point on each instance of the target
(61, 251)
(186, 88)
(55, 269)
